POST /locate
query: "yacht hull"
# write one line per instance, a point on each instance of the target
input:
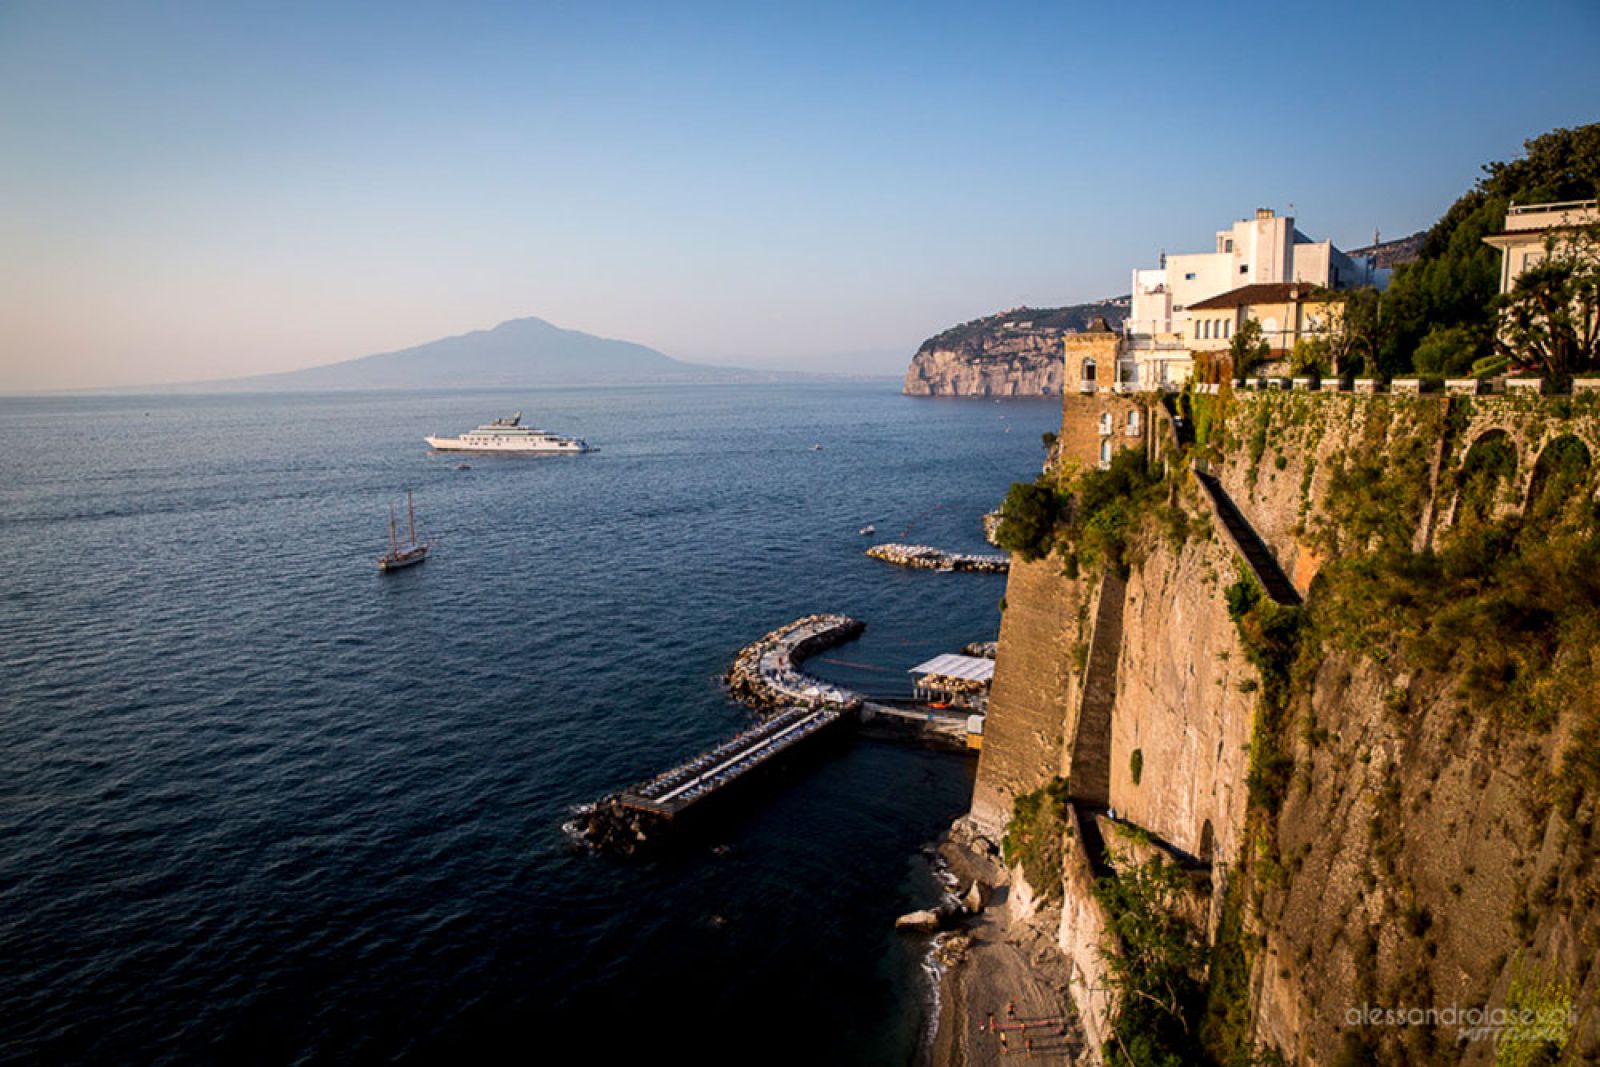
(455, 444)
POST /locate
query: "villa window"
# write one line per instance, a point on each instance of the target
(1189, 277)
(1133, 423)
(1087, 371)
(1105, 424)
(1105, 454)
(1227, 245)
(1227, 329)
(1244, 268)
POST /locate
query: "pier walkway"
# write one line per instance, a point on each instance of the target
(668, 794)
(795, 708)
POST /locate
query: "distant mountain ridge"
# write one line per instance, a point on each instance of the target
(517, 353)
(1012, 353)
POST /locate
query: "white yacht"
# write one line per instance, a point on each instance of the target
(509, 435)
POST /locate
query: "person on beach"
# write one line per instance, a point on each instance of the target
(1004, 1048)
(1011, 1009)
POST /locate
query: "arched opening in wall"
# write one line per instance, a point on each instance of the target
(1133, 422)
(1487, 471)
(1105, 424)
(1559, 475)
(1086, 371)
(1105, 454)
(1208, 842)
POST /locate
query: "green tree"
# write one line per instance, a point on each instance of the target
(1249, 347)
(1156, 963)
(1456, 279)
(1449, 350)
(1028, 520)
(1551, 317)
(1311, 356)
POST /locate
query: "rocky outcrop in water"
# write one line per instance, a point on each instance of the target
(1014, 353)
(928, 558)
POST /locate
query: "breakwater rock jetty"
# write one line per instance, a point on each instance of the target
(796, 708)
(766, 674)
(928, 558)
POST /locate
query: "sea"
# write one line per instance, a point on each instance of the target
(260, 803)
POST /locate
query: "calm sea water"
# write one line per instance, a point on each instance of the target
(259, 803)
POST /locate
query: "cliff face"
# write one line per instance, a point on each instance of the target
(1014, 353)
(1034, 689)
(1400, 814)
(1024, 365)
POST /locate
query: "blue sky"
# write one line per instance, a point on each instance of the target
(204, 189)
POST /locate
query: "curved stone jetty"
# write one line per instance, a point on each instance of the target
(766, 674)
(928, 558)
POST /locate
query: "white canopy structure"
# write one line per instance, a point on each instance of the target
(966, 668)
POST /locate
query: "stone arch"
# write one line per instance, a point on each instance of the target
(1488, 468)
(1563, 464)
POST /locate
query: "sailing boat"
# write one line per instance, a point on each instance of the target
(403, 555)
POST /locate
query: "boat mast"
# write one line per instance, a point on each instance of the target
(393, 547)
(411, 517)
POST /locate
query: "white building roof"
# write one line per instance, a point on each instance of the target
(969, 668)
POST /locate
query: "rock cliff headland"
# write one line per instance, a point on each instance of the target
(1013, 353)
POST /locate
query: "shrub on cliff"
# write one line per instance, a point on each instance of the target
(1091, 521)
(1106, 506)
(1028, 519)
(1156, 963)
(1270, 634)
(1033, 837)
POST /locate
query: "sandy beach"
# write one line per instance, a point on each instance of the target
(1005, 957)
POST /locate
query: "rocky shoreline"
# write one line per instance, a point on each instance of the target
(994, 948)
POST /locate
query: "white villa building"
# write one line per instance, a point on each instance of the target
(1264, 250)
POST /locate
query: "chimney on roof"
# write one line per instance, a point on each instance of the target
(1265, 213)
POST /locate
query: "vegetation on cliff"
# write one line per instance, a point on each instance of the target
(1438, 314)
(1464, 580)
(1090, 522)
(973, 339)
(1158, 967)
(1033, 837)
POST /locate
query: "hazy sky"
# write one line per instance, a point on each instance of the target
(212, 189)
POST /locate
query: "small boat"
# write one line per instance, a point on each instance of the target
(868, 529)
(817, 447)
(403, 555)
(463, 466)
